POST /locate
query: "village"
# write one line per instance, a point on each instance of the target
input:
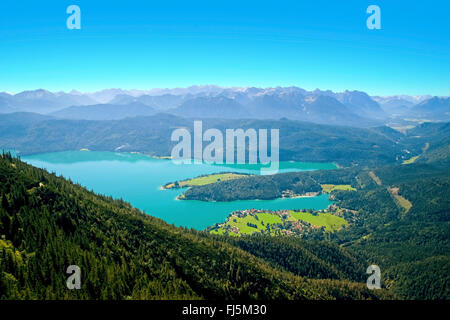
(302, 223)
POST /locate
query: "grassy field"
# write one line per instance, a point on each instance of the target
(411, 160)
(403, 202)
(375, 178)
(331, 187)
(399, 200)
(204, 180)
(327, 220)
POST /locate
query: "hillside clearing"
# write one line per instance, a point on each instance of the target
(331, 187)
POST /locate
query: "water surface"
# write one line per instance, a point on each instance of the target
(137, 178)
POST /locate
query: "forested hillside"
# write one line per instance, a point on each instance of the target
(412, 244)
(48, 223)
(299, 141)
(400, 219)
(313, 259)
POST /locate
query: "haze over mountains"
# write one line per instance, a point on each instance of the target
(41, 101)
(105, 111)
(351, 108)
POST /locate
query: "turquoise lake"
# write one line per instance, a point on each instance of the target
(137, 178)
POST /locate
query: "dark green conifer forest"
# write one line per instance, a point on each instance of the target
(48, 223)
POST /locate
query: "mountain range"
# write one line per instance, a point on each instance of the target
(41, 101)
(352, 108)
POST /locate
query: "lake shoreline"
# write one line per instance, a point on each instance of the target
(137, 179)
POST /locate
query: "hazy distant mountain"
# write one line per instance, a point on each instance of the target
(361, 104)
(301, 105)
(35, 95)
(5, 103)
(358, 102)
(413, 99)
(41, 101)
(328, 110)
(107, 95)
(354, 108)
(400, 104)
(162, 102)
(212, 107)
(395, 106)
(275, 105)
(105, 111)
(165, 101)
(435, 108)
(193, 90)
(123, 99)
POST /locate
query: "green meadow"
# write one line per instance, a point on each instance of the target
(204, 180)
(411, 160)
(330, 222)
(331, 187)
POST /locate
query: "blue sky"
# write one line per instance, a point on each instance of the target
(148, 44)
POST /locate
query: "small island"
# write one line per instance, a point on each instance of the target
(255, 187)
